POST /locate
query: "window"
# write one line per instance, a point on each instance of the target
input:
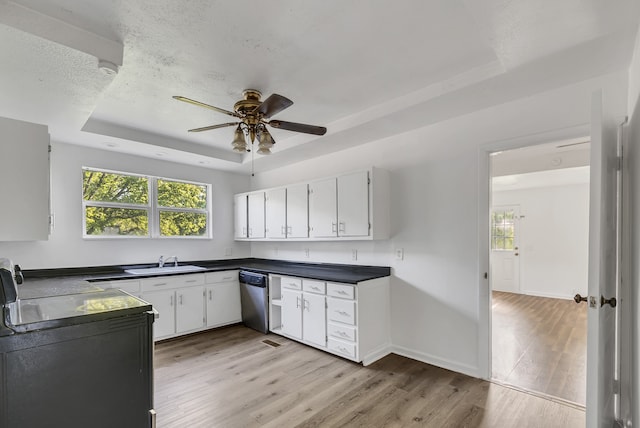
(503, 230)
(118, 204)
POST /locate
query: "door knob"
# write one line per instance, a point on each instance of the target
(611, 302)
(578, 298)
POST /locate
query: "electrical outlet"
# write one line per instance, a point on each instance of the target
(354, 254)
(228, 251)
(306, 253)
(399, 253)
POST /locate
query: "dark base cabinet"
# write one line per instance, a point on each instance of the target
(96, 374)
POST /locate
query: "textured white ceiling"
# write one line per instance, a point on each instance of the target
(365, 70)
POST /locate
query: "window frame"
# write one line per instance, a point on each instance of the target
(152, 207)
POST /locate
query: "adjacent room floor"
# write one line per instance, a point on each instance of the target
(540, 344)
(236, 377)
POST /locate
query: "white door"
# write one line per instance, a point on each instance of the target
(275, 202)
(240, 214)
(314, 318)
(323, 209)
(601, 330)
(353, 204)
(292, 313)
(163, 302)
(505, 253)
(256, 215)
(189, 309)
(297, 211)
(223, 303)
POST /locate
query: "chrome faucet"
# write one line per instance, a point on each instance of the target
(162, 261)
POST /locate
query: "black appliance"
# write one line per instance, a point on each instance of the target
(254, 298)
(74, 361)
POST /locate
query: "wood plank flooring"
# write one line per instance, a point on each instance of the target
(230, 378)
(540, 344)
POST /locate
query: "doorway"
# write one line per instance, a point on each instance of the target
(538, 262)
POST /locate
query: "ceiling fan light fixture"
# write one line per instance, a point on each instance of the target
(263, 150)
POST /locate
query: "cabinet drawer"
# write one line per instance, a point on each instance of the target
(343, 291)
(343, 332)
(313, 286)
(341, 310)
(222, 276)
(173, 281)
(291, 283)
(343, 348)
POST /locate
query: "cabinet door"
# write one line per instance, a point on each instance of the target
(292, 313)
(240, 215)
(323, 211)
(164, 303)
(24, 151)
(353, 204)
(223, 303)
(256, 215)
(314, 319)
(189, 309)
(297, 211)
(275, 213)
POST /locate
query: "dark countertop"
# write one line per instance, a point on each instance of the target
(52, 282)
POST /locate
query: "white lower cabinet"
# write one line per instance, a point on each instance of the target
(291, 324)
(164, 303)
(189, 309)
(349, 320)
(187, 303)
(222, 298)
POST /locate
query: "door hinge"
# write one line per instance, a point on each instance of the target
(368, 181)
(619, 163)
(49, 148)
(616, 386)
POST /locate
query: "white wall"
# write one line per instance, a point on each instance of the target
(436, 289)
(67, 248)
(553, 238)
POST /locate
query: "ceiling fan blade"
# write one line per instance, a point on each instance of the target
(198, 103)
(273, 105)
(298, 127)
(209, 128)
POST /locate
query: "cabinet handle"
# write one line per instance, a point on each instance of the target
(334, 227)
(180, 299)
(289, 230)
(343, 334)
(283, 230)
(250, 232)
(341, 227)
(343, 313)
(209, 294)
(244, 231)
(297, 302)
(305, 304)
(171, 300)
(160, 284)
(191, 281)
(226, 278)
(344, 293)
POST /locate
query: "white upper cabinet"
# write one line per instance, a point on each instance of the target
(323, 209)
(256, 215)
(351, 206)
(240, 214)
(24, 149)
(275, 207)
(297, 211)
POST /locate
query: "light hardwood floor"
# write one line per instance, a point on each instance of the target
(540, 344)
(230, 378)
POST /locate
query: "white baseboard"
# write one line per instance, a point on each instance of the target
(435, 361)
(376, 354)
(550, 295)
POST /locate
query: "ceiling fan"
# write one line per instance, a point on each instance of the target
(253, 115)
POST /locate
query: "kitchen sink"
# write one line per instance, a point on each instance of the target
(163, 270)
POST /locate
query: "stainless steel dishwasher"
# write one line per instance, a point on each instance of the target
(254, 298)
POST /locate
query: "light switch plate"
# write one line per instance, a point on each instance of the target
(354, 254)
(399, 253)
